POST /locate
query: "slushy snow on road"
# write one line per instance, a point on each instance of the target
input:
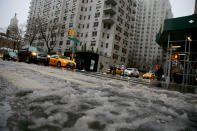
(37, 98)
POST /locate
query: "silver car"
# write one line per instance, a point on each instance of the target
(131, 72)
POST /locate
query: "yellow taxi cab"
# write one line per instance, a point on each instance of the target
(118, 71)
(148, 75)
(61, 61)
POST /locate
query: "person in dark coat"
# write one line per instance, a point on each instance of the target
(114, 70)
(111, 68)
(159, 73)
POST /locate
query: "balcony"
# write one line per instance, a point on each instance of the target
(108, 19)
(109, 9)
(113, 2)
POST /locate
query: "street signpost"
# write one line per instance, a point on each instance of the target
(71, 36)
(73, 39)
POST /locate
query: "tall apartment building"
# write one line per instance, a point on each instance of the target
(106, 27)
(195, 10)
(146, 52)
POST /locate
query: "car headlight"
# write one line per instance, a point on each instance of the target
(48, 56)
(34, 53)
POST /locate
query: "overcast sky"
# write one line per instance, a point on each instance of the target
(9, 7)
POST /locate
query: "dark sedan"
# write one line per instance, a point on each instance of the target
(10, 56)
(33, 54)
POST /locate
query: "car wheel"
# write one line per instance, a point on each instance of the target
(27, 59)
(59, 64)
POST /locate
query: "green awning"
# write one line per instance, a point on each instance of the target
(178, 28)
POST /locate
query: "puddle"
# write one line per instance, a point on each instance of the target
(175, 87)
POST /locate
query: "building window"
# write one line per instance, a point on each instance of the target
(116, 47)
(122, 59)
(96, 24)
(115, 56)
(87, 26)
(126, 34)
(118, 38)
(61, 43)
(107, 45)
(107, 36)
(70, 25)
(89, 17)
(101, 44)
(124, 51)
(65, 18)
(63, 26)
(118, 28)
(94, 33)
(68, 42)
(97, 15)
(93, 43)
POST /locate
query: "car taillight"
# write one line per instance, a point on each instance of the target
(196, 77)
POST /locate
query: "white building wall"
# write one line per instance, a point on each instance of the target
(147, 52)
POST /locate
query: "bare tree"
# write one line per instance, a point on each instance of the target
(19, 37)
(50, 32)
(32, 30)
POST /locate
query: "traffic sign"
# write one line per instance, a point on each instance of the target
(73, 39)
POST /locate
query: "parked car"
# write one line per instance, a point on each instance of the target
(118, 71)
(61, 61)
(33, 54)
(148, 75)
(132, 72)
(10, 56)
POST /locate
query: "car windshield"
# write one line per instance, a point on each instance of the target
(148, 73)
(12, 53)
(40, 50)
(31, 48)
(63, 57)
(129, 68)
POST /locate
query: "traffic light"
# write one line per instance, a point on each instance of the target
(73, 32)
(70, 32)
(175, 56)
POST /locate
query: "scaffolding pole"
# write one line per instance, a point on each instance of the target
(169, 64)
(183, 81)
(188, 63)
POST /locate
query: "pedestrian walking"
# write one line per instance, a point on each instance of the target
(122, 70)
(101, 67)
(111, 69)
(114, 70)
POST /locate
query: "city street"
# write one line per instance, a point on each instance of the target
(36, 97)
